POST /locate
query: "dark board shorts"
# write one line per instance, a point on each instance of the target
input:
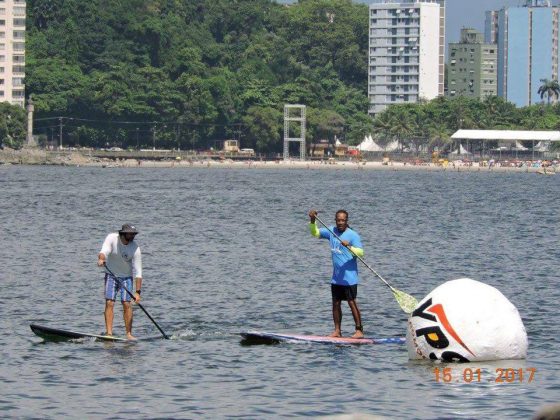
(344, 292)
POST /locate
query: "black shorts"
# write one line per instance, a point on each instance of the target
(344, 292)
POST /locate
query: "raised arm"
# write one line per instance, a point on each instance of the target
(312, 225)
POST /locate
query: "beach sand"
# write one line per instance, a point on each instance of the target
(41, 157)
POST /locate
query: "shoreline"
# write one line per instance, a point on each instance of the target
(41, 157)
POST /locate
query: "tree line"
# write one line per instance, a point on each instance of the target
(191, 73)
(188, 74)
(429, 125)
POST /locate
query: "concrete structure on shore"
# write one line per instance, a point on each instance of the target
(30, 108)
(294, 114)
(12, 51)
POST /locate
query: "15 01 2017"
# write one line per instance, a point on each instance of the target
(469, 375)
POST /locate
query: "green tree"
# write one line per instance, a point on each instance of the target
(439, 136)
(498, 113)
(263, 128)
(196, 65)
(12, 125)
(324, 124)
(57, 87)
(549, 88)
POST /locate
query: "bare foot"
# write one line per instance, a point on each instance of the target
(129, 336)
(336, 334)
(358, 334)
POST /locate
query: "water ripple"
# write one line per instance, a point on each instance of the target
(227, 251)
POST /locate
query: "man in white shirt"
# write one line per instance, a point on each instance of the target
(122, 256)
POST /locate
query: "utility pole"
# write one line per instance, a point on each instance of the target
(154, 137)
(137, 144)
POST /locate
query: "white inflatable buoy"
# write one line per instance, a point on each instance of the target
(465, 320)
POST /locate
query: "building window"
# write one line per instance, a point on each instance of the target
(18, 94)
(19, 46)
(19, 22)
(19, 11)
(19, 34)
(18, 59)
(17, 81)
(18, 69)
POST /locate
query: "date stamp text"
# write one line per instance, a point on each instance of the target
(473, 375)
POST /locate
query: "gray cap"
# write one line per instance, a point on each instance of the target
(128, 228)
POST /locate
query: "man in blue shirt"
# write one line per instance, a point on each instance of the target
(344, 282)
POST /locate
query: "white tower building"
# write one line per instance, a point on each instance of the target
(12, 51)
(406, 52)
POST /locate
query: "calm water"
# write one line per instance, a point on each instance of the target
(228, 250)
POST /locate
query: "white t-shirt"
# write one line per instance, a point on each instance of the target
(123, 260)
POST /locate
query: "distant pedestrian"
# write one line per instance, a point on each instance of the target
(344, 281)
(122, 256)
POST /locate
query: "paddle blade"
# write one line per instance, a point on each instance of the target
(407, 303)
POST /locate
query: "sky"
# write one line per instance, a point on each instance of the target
(464, 13)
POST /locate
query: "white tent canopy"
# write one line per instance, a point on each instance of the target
(519, 146)
(368, 145)
(541, 147)
(506, 135)
(462, 151)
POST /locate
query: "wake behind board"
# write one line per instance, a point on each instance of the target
(55, 334)
(263, 337)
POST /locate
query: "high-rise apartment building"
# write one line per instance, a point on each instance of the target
(406, 52)
(12, 51)
(472, 66)
(527, 45)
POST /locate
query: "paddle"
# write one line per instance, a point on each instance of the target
(138, 303)
(407, 303)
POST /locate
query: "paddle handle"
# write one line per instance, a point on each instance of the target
(357, 256)
(138, 303)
